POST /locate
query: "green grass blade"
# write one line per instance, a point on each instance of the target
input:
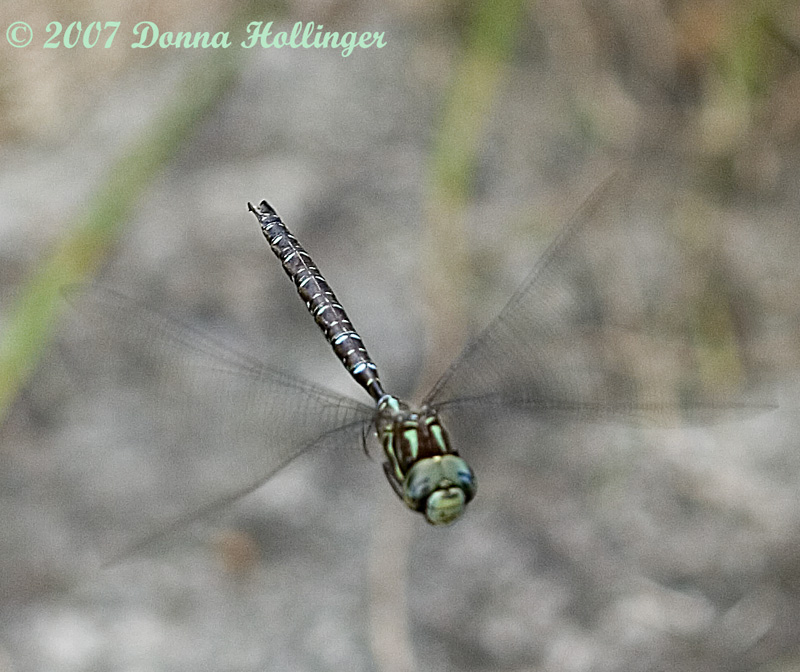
(33, 316)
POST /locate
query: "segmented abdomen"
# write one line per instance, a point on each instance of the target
(320, 300)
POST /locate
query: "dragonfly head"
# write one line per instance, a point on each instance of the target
(422, 468)
(441, 487)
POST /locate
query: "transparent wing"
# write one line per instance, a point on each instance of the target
(629, 312)
(177, 424)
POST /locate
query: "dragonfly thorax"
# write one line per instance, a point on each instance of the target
(422, 468)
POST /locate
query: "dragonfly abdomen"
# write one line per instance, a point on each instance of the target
(319, 299)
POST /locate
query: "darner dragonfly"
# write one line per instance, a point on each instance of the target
(561, 347)
(422, 467)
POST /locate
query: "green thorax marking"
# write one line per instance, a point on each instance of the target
(408, 436)
(422, 468)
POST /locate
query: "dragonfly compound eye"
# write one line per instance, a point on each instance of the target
(441, 486)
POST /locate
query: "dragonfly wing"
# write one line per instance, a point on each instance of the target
(625, 314)
(176, 423)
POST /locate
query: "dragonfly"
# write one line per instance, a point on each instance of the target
(421, 465)
(552, 351)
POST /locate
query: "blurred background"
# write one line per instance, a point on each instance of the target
(425, 178)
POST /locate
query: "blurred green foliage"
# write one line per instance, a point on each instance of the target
(33, 317)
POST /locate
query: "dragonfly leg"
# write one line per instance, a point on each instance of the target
(396, 485)
(364, 430)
